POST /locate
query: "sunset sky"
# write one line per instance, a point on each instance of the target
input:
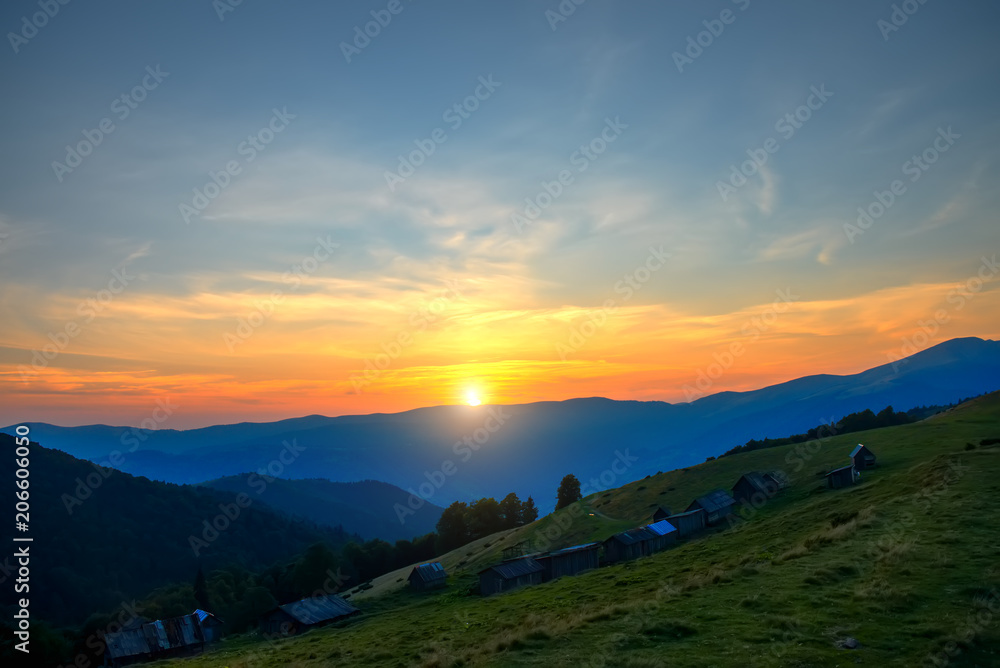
(270, 299)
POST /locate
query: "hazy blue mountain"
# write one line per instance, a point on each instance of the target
(538, 443)
(365, 508)
(103, 537)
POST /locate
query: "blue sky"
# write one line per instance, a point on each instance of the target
(324, 175)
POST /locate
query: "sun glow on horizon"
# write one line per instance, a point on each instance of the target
(472, 398)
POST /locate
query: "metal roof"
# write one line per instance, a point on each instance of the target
(715, 500)
(430, 572)
(203, 615)
(858, 449)
(633, 536)
(567, 550)
(153, 637)
(661, 528)
(686, 513)
(515, 568)
(131, 642)
(842, 468)
(316, 609)
(756, 480)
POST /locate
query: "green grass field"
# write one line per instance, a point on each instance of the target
(907, 562)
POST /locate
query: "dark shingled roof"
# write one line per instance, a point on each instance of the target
(686, 513)
(317, 609)
(715, 500)
(431, 572)
(842, 468)
(515, 568)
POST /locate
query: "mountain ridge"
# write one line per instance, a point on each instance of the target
(539, 442)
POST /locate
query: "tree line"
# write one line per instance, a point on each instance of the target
(860, 421)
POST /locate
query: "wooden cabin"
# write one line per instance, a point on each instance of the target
(688, 523)
(211, 626)
(663, 534)
(510, 575)
(569, 561)
(661, 513)
(754, 488)
(863, 458)
(149, 641)
(778, 478)
(309, 613)
(841, 477)
(428, 576)
(717, 505)
(625, 546)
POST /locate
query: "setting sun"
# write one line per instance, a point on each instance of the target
(472, 398)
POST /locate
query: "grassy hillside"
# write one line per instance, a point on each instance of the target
(907, 563)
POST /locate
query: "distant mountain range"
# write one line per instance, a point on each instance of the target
(449, 453)
(104, 537)
(364, 508)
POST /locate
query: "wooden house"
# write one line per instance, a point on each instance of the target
(663, 534)
(717, 505)
(661, 513)
(510, 575)
(778, 478)
(149, 641)
(309, 613)
(688, 523)
(754, 488)
(626, 545)
(863, 458)
(211, 626)
(428, 576)
(569, 561)
(842, 477)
